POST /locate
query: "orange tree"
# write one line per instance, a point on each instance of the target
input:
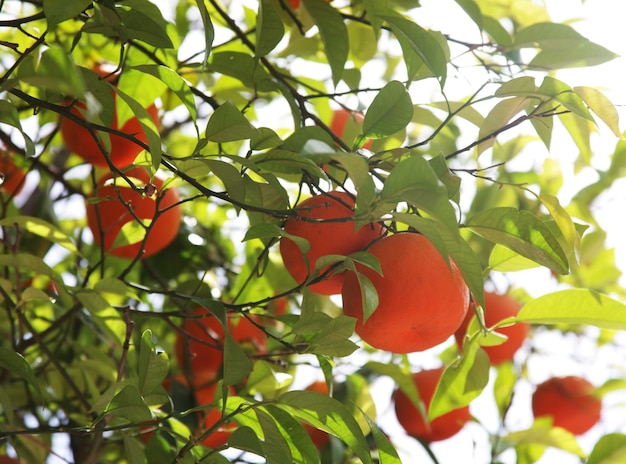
(461, 124)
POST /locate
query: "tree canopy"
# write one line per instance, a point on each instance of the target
(154, 153)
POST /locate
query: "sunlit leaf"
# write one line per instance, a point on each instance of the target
(228, 124)
(269, 30)
(129, 404)
(422, 43)
(601, 106)
(334, 35)
(461, 382)
(522, 232)
(498, 119)
(575, 306)
(389, 113)
(609, 449)
(329, 415)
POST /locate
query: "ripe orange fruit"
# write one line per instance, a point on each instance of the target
(206, 396)
(318, 437)
(343, 119)
(12, 176)
(421, 301)
(570, 401)
(106, 218)
(325, 238)
(123, 151)
(411, 419)
(200, 348)
(497, 308)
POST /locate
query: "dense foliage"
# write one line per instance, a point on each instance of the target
(105, 339)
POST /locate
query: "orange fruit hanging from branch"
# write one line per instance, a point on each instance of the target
(324, 237)
(79, 140)
(497, 308)
(570, 401)
(422, 300)
(116, 204)
(413, 422)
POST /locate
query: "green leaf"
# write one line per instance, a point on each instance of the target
(601, 106)
(55, 72)
(369, 294)
(174, 82)
(390, 112)
(358, 170)
(580, 131)
(575, 306)
(244, 438)
(147, 124)
(609, 449)
(503, 259)
(236, 364)
(334, 338)
(497, 120)
(10, 116)
(522, 232)
(503, 387)
(461, 382)
(561, 47)
(130, 405)
(334, 35)
(42, 229)
(374, 9)
(209, 31)
(387, 454)
(265, 138)
(275, 447)
(133, 450)
(564, 94)
(152, 367)
(402, 379)
(57, 11)
(565, 224)
(302, 448)
(328, 414)
(472, 9)
(269, 29)
(544, 435)
(15, 364)
(265, 230)
(414, 181)
(230, 176)
(524, 86)
(228, 124)
(422, 43)
(142, 20)
(130, 233)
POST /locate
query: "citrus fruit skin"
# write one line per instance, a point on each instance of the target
(318, 437)
(325, 238)
(109, 215)
(13, 176)
(421, 300)
(497, 308)
(410, 418)
(340, 120)
(122, 152)
(206, 396)
(570, 402)
(200, 346)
